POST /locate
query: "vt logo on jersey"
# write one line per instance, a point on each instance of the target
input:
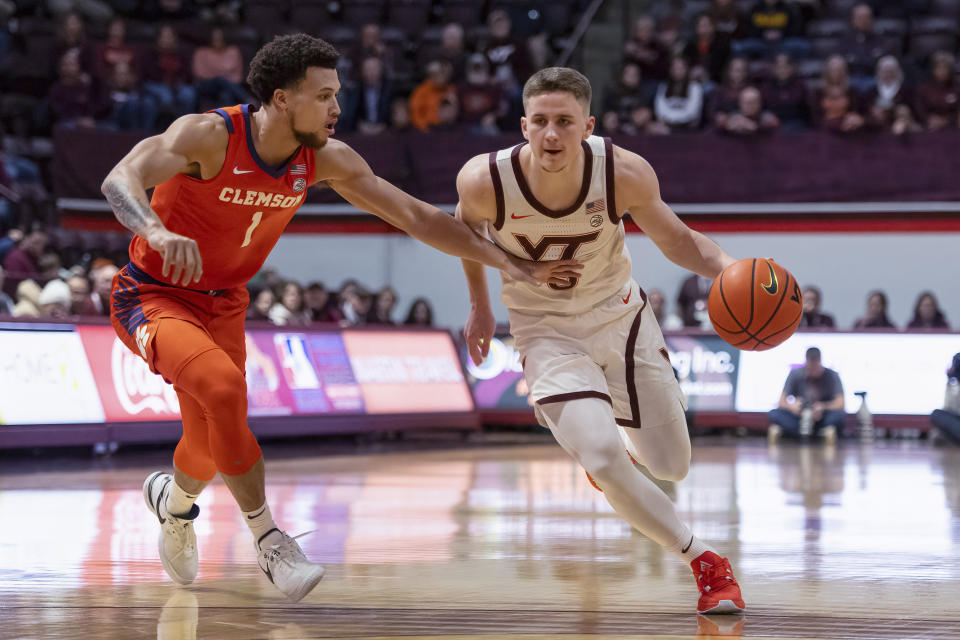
(570, 244)
(773, 286)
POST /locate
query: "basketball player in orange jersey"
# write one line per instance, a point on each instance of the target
(592, 352)
(227, 183)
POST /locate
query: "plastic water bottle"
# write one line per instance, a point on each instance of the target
(806, 422)
(864, 418)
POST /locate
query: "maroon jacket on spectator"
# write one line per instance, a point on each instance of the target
(938, 99)
(19, 265)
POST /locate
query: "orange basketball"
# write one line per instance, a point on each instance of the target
(755, 304)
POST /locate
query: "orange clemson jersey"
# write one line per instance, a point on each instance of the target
(237, 216)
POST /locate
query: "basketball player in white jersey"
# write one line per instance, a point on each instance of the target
(592, 351)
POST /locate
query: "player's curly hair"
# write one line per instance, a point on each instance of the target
(283, 62)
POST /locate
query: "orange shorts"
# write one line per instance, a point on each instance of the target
(139, 302)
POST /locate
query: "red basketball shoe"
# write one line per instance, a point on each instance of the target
(719, 591)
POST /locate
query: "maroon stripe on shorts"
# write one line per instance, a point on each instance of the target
(574, 395)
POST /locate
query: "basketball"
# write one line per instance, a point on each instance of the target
(755, 304)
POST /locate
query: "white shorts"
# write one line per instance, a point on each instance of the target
(614, 352)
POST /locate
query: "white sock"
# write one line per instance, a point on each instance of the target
(260, 521)
(179, 502)
(689, 547)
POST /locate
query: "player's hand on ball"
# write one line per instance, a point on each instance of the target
(479, 332)
(548, 272)
(181, 256)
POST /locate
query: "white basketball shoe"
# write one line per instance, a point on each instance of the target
(282, 561)
(178, 542)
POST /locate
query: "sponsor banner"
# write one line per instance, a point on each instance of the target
(267, 395)
(407, 372)
(706, 367)
(45, 379)
(316, 370)
(498, 381)
(128, 390)
(901, 373)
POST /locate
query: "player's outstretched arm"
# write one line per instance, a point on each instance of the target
(183, 148)
(638, 191)
(350, 176)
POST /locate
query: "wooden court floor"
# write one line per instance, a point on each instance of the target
(506, 542)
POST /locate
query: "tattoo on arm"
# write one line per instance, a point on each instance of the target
(131, 209)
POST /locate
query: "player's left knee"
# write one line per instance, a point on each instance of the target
(673, 470)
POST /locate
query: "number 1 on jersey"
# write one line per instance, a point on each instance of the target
(253, 225)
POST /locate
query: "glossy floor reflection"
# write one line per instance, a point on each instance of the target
(500, 542)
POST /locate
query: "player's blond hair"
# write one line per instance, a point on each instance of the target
(563, 79)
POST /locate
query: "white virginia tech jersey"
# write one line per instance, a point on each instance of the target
(590, 231)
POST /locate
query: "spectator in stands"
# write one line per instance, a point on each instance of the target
(425, 99)
(169, 82)
(420, 314)
(750, 118)
(812, 317)
(320, 304)
(72, 100)
(729, 22)
(644, 50)
(481, 99)
(289, 309)
(22, 262)
(706, 53)
(927, 313)
(366, 104)
(168, 11)
(725, 98)
(876, 316)
(658, 302)
(130, 109)
(400, 115)
(218, 71)
(49, 266)
(371, 45)
(448, 115)
(94, 10)
(6, 302)
(774, 27)
(101, 275)
(452, 49)
(692, 301)
(888, 102)
(836, 103)
(261, 303)
(679, 101)
(350, 303)
(116, 50)
(626, 106)
(862, 47)
(80, 302)
(785, 95)
(28, 300)
(384, 302)
(72, 36)
(811, 402)
(55, 300)
(938, 100)
(508, 56)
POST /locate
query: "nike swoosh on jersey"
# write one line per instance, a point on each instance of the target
(627, 299)
(237, 171)
(514, 216)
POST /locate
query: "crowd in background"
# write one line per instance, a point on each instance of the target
(751, 68)
(691, 310)
(61, 274)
